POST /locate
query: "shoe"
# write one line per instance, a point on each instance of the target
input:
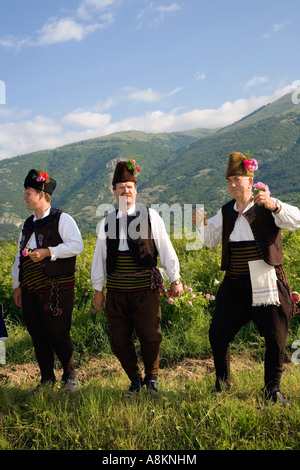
(151, 384)
(277, 397)
(135, 387)
(71, 384)
(220, 386)
(38, 388)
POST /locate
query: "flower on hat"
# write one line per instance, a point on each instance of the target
(251, 164)
(132, 166)
(43, 176)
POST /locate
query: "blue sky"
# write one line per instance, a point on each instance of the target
(72, 70)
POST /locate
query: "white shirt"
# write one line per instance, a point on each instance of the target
(72, 243)
(211, 235)
(167, 254)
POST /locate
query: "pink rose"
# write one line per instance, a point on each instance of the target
(189, 302)
(295, 297)
(170, 300)
(251, 164)
(25, 252)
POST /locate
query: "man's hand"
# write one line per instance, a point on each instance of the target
(263, 198)
(18, 296)
(39, 254)
(99, 300)
(199, 218)
(176, 289)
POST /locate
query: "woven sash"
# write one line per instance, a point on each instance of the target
(128, 276)
(34, 277)
(239, 255)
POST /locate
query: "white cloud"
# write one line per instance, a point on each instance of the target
(156, 14)
(63, 30)
(278, 26)
(200, 76)
(256, 81)
(85, 21)
(87, 8)
(40, 132)
(275, 28)
(87, 119)
(149, 95)
(168, 9)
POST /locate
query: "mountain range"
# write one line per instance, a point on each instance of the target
(176, 168)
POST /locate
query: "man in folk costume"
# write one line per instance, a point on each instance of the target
(129, 241)
(44, 277)
(254, 286)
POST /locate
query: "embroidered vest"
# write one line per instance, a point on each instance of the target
(138, 229)
(46, 234)
(265, 231)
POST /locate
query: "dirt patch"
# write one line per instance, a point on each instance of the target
(188, 369)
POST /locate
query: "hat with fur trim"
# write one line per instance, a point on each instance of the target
(40, 180)
(239, 165)
(125, 171)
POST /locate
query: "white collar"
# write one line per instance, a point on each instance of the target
(47, 212)
(130, 212)
(251, 203)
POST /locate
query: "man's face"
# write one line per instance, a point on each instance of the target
(125, 194)
(33, 198)
(240, 186)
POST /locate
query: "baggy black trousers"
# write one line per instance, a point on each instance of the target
(50, 335)
(233, 310)
(139, 312)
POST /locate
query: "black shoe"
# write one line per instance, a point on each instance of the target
(277, 397)
(220, 386)
(135, 386)
(151, 384)
(38, 388)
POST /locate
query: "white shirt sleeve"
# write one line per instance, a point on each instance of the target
(211, 234)
(98, 270)
(167, 254)
(288, 218)
(72, 244)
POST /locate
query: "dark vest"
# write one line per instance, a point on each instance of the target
(46, 234)
(265, 231)
(141, 246)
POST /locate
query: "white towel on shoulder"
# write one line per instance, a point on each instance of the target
(264, 283)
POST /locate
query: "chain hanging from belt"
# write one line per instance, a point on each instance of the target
(52, 305)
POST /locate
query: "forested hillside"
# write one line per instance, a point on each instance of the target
(181, 167)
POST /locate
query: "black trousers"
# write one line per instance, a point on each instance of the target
(140, 312)
(50, 335)
(233, 310)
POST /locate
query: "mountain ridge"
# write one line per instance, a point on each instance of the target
(185, 167)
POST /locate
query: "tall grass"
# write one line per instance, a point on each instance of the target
(184, 415)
